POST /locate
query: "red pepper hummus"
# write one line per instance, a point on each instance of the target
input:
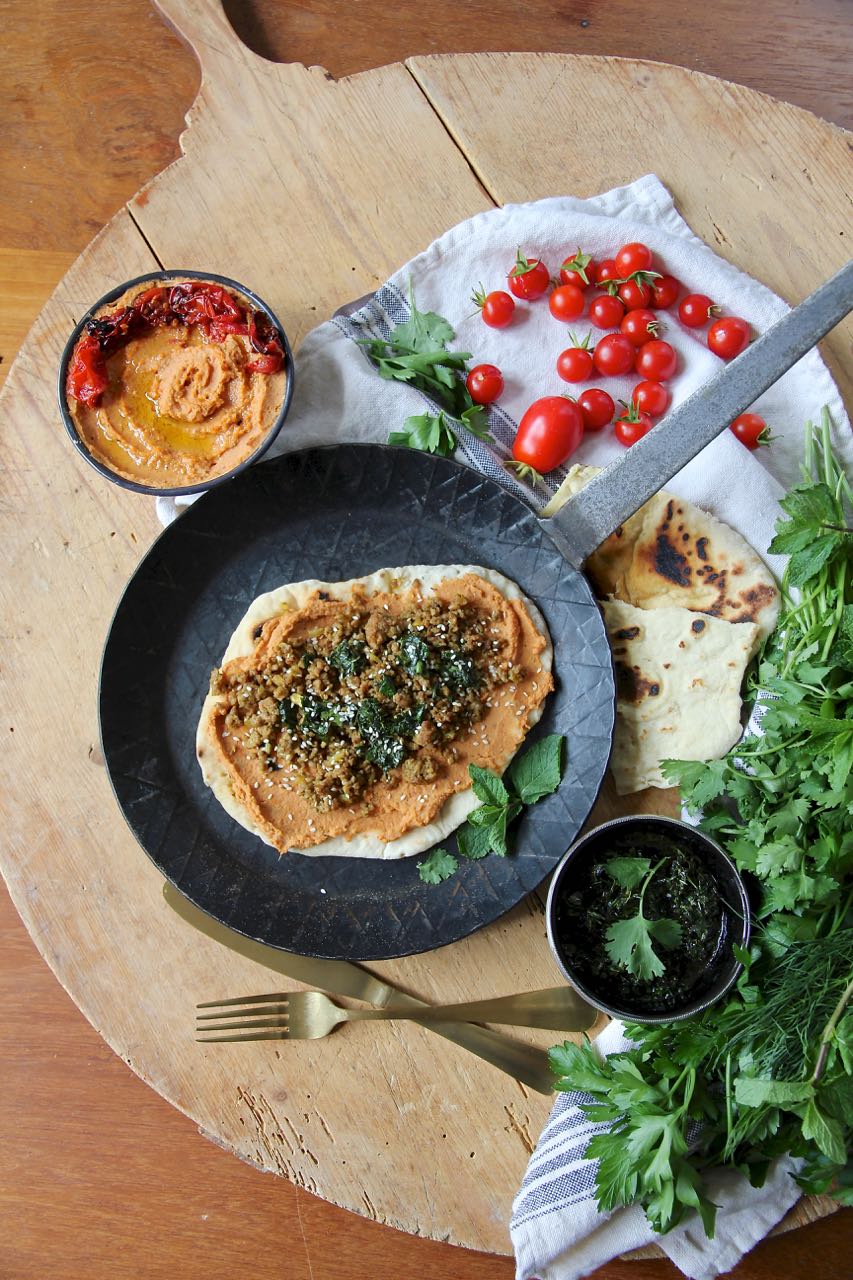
(345, 715)
(177, 383)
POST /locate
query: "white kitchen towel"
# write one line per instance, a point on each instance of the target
(339, 396)
(557, 1230)
(558, 1233)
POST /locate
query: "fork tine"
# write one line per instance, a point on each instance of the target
(237, 1012)
(272, 998)
(281, 1034)
(249, 1023)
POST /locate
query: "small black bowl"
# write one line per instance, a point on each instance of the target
(113, 296)
(722, 970)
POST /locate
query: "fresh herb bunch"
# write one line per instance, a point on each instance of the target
(770, 1070)
(416, 352)
(531, 776)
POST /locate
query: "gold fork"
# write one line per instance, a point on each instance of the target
(308, 1015)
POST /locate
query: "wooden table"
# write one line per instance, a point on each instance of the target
(99, 1176)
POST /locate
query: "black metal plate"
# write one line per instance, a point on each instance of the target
(333, 513)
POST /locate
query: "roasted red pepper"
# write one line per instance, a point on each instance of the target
(197, 302)
(86, 379)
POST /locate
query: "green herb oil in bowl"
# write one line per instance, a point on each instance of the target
(643, 915)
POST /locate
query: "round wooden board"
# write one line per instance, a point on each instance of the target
(282, 166)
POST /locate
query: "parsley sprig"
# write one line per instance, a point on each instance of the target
(416, 352)
(768, 1071)
(628, 942)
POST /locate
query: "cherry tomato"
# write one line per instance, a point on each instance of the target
(697, 309)
(728, 337)
(485, 383)
(566, 302)
(614, 354)
(664, 292)
(749, 429)
(606, 312)
(606, 270)
(633, 257)
(550, 430)
(651, 398)
(597, 408)
(656, 360)
(579, 270)
(635, 293)
(631, 426)
(640, 326)
(575, 364)
(496, 308)
(529, 278)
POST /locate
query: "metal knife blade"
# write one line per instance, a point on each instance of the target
(341, 977)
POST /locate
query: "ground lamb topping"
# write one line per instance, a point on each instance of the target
(367, 696)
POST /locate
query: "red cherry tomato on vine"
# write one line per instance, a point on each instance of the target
(485, 383)
(728, 337)
(575, 364)
(496, 308)
(606, 312)
(665, 290)
(749, 428)
(606, 270)
(633, 257)
(656, 360)
(579, 270)
(696, 310)
(640, 326)
(549, 432)
(651, 398)
(597, 408)
(566, 302)
(635, 294)
(632, 426)
(529, 278)
(614, 354)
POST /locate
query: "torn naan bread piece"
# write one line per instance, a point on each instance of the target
(672, 553)
(678, 682)
(344, 715)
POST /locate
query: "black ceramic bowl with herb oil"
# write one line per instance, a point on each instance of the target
(643, 914)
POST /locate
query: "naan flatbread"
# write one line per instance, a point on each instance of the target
(294, 597)
(672, 553)
(678, 680)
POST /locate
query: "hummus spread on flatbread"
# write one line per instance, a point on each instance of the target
(345, 715)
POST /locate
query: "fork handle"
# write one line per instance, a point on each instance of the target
(555, 1008)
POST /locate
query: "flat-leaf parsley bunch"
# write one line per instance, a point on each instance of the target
(769, 1071)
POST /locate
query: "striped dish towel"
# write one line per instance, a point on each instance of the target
(558, 1232)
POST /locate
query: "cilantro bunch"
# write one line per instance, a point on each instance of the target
(416, 352)
(769, 1071)
(531, 776)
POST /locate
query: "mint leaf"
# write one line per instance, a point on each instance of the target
(826, 1133)
(474, 842)
(487, 786)
(537, 773)
(806, 564)
(774, 1093)
(439, 865)
(629, 872)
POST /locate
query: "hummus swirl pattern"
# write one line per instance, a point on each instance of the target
(182, 403)
(345, 715)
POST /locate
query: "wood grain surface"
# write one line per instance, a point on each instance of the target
(93, 1151)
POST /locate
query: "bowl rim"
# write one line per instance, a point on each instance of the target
(111, 296)
(695, 1006)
